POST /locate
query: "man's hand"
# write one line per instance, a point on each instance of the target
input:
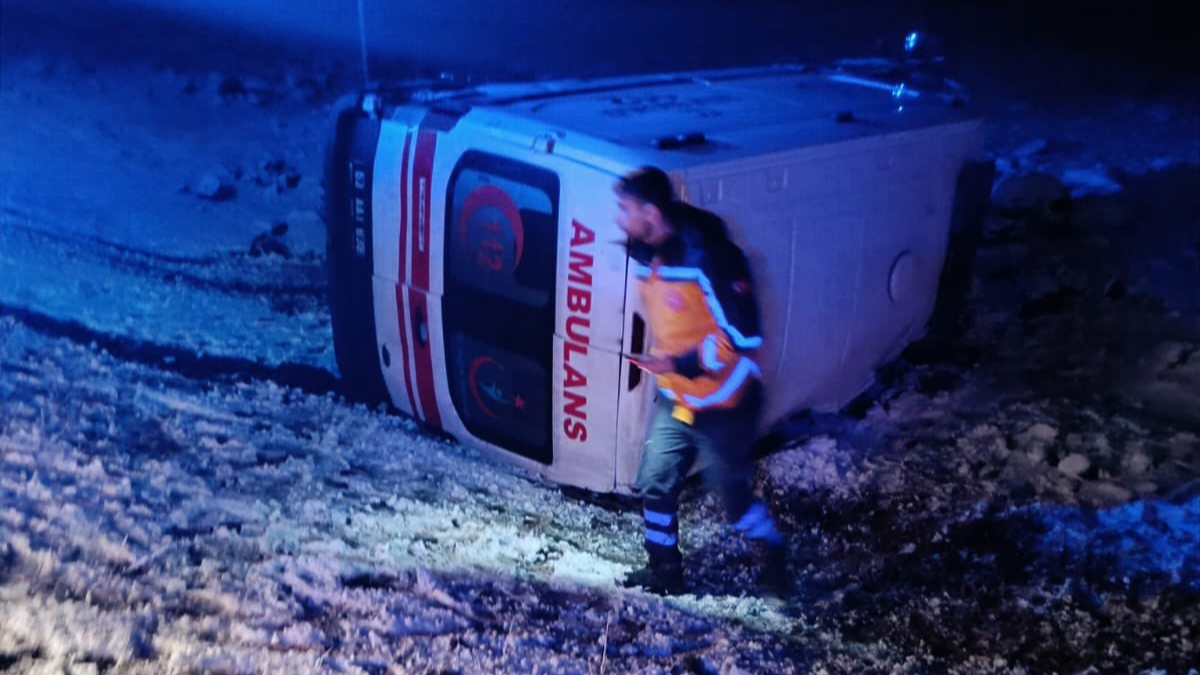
(656, 365)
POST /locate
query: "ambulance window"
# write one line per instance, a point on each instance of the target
(498, 310)
(500, 228)
(501, 396)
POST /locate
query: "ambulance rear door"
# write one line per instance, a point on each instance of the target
(530, 301)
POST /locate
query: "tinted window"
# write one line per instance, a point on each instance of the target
(501, 229)
(501, 394)
(501, 243)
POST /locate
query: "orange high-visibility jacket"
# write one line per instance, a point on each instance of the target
(702, 311)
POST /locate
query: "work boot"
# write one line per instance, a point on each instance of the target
(664, 573)
(661, 579)
(774, 578)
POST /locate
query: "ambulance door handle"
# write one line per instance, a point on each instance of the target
(420, 329)
(637, 345)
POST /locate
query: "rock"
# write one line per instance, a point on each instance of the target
(1037, 197)
(1103, 493)
(306, 232)
(1027, 191)
(278, 173)
(1034, 441)
(1146, 488)
(208, 186)
(1136, 462)
(1038, 433)
(268, 244)
(1019, 465)
(984, 443)
(1074, 464)
(1036, 454)
(288, 181)
(1089, 444)
(215, 187)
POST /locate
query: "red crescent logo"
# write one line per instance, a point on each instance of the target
(491, 196)
(473, 383)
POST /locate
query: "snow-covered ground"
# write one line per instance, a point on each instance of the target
(184, 489)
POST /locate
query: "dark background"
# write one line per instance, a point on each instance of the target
(1051, 50)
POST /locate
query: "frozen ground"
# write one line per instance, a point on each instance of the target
(184, 489)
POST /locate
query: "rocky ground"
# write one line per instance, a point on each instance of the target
(185, 488)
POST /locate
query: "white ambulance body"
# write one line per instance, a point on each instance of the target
(479, 282)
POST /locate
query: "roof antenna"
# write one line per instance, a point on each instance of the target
(362, 42)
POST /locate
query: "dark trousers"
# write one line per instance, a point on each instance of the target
(721, 440)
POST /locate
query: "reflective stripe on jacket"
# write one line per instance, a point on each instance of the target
(701, 309)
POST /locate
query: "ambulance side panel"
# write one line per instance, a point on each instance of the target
(589, 333)
(408, 264)
(847, 242)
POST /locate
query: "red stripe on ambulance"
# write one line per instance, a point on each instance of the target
(422, 184)
(579, 323)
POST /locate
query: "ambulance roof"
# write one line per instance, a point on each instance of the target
(682, 119)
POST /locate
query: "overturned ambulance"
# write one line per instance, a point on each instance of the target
(479, 282)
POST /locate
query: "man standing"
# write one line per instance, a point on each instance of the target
(702, 312)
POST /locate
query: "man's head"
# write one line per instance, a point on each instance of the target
(642, 197)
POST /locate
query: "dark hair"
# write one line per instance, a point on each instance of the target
(648, 184)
